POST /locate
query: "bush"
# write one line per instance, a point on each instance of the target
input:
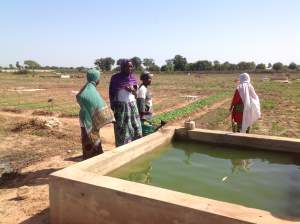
(278, 66)
(293, 66)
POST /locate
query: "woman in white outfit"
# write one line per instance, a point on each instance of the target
(245, 106)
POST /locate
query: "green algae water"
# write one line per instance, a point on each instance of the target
(258, 179)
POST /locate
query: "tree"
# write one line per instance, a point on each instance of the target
(109, 63)
(190, 67)
(163, 68)
(261, 66)
(292, 66)
(251, 65)
(18, 66)
(277, 66)
(105, 64)
(168, 67)
(246, 65)
(225, 66)
(179, 63)
(203, 65)
(11, 66)
(232, 67)
(148, 62)
(32, 64)
(150, 65)
(217, 65)
(81, 69)
(136, 62)
(154, 68)
(119, 61)
(269, 65)
(99, 62)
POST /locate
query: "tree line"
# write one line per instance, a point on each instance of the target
(178, 63)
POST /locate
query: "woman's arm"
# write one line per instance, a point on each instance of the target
(252, 92)
(78, 94)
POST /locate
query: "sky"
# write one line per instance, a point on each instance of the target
(75, 33)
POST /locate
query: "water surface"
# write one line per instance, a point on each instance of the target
(259, 179)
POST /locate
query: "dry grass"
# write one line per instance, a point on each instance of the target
(280, 101)
(168, 91)
(25, 141)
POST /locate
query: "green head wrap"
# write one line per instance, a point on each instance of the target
(93, 75)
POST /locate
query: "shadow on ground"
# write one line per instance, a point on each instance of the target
(39, 218)
(39, 177)
(74, 158)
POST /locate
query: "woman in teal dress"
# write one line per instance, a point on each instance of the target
(94, 114)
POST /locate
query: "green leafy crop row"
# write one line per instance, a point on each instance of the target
(188, 109)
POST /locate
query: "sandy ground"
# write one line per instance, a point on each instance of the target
(25, 198)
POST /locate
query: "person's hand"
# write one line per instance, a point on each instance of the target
(129, 88)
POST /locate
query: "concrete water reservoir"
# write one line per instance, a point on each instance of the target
(83, 193)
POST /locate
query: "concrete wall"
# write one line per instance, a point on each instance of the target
(81, 194)
(101, 199)
(252, 141)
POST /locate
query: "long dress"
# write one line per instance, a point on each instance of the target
(128, 125)
(94, 114)
(237, 105)
(237, 112)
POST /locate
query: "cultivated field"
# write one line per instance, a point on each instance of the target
(33, 150)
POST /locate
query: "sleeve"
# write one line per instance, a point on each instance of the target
(79, 93)
(141, 93)
(252, 92)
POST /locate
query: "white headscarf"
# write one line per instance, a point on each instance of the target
(251, 110)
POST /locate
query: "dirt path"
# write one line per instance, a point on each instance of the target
(25, 199)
